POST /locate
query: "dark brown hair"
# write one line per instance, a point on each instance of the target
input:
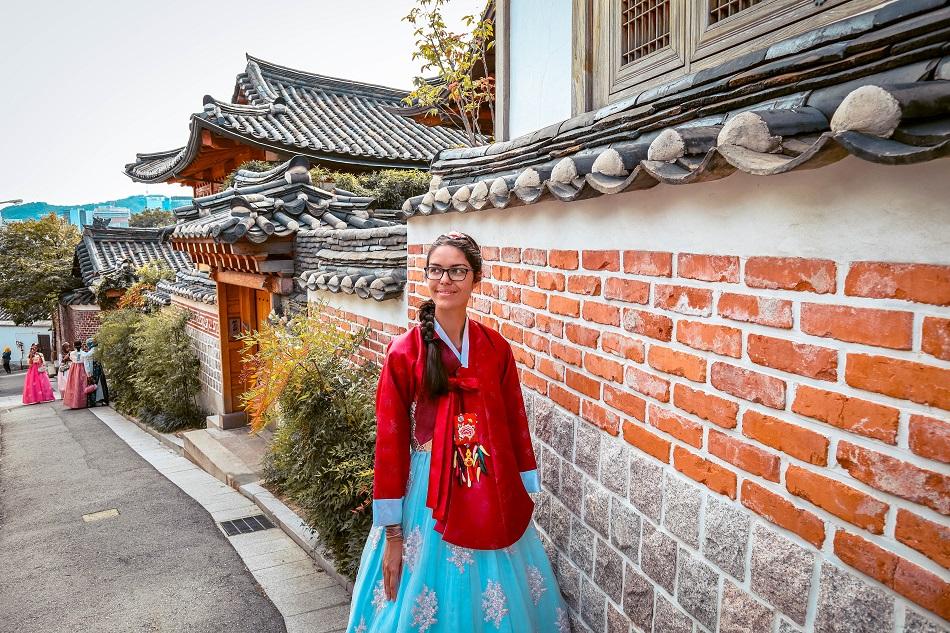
(435, 379)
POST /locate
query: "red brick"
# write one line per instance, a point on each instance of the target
(565, 260)
(582, 335)
(883, 328)
(549, 324)
(601, 313)
(511, 294)
(550, 281)
(930, 437)
(648, 384)
(677, 363)
(482, 304)
(924, 283)
(600, 417)
(629, 290)
(647, 442)
(799, 442)
(682, 299)
(783, 513)
(512, 332)
(582, 383)
(708, 267)
(583, 284)
(601, 260)
(537, 342)
(924, 384)
(650, 263)
(851, 414)
(551, 369)
(566, 353)
(535, 382)
(929, 538)
(623, 346)
(761, 310)
(791, 273)
(935, 338)
(796, 358)
(564, 305)
(501, 310)
(897, 477)
(748, 385)
(500, 273)
(565, 398)
(710, 338)
(746, 456)
(523, 317)
(523, 356)
(841, 500)
(522, 276)
(677, 426)
(534, 256)
(534, 299)
(490, 253)
(604, 367)
(711, 475)
(655, 326)
(625, 401)
(415, 249)
(911, 581)
(707, 406)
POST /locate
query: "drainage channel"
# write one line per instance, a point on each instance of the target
(246, 525)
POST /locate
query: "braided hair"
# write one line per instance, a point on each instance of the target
(435, 379)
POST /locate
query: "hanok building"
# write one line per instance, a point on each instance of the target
(270, 240)
(716, 235)
(276, 113)
(104, 263)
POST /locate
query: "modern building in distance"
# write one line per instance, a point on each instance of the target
(118, 216)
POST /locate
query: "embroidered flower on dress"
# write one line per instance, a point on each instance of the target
(535, 583)
(423, 614)
(493, 603)
(412, 548)
(374, 535)
(563, 624)
(379, 596)
(362, 627)
(460, 557)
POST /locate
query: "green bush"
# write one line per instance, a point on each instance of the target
(151, 367)
(321, 455)
(390, 187)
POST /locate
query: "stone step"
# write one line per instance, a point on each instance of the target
(210, 455)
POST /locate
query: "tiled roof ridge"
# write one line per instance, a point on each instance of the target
(335, 84)
(903, 91)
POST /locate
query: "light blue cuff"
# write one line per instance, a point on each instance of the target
(387, 511)
(530, 480)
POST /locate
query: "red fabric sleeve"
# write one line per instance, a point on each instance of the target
(393, 398)
(517, 417)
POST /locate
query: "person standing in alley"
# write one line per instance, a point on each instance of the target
(97, 377)
(7, 355)
(36, 387)
(63, 375)
(75, 396)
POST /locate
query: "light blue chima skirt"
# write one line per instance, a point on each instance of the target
(450, 589)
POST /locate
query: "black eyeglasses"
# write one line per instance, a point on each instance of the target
(456, 273)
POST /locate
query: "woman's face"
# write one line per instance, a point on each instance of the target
(447, 293)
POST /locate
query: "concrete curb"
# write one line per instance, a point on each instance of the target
(295, 527)
(167, 439)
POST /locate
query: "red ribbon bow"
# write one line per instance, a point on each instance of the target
(440, 469)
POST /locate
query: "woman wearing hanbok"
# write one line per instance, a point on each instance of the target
(97, 377)
(75, 396)
(36, 385)
(453, 549)
(61, 377)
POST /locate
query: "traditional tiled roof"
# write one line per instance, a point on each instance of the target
(78, 297)
(194, 285)
(279, 202)
(875, 86)
(292, 112)
(103, 250)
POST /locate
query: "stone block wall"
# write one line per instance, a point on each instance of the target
(203, 331)
(726, 443)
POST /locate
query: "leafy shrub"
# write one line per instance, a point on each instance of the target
(116, 354)
(323, 405)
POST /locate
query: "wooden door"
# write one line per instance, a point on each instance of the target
(263, 300)
(245, 309)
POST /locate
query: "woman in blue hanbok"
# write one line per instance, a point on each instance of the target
(452, 549)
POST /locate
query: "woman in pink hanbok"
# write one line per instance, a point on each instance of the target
(76, 382)
(36, 387)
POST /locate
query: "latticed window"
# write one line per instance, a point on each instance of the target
(645, 28)
(721, 9)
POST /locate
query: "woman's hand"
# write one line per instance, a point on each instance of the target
(392, 566)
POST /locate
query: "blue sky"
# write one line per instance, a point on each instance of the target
(88, 84)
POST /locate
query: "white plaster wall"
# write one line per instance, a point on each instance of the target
(540, 64)
(10, 334)
(392, 311)
(852, 210)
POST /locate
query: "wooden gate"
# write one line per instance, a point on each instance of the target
(244, 309)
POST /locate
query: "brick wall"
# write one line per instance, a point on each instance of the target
(76, 323)
(373, 348)
(755, 444)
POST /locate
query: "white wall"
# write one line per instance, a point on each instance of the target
(540, 64)
(852, 210)
(10, 334)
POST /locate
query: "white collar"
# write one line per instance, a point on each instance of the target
(461, 355)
